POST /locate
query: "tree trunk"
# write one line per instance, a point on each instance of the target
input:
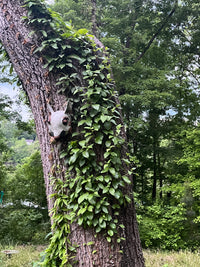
(94, 17)
(160, 176)
(154, 189)
(40, 86)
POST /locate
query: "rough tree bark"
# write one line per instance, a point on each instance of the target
(40, 87)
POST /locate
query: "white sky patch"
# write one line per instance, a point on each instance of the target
(13, 92)
(7, 89)
(23, 110)
(49, 1)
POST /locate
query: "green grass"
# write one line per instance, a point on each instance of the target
(172, 258)
(28, 254)
(25, 258)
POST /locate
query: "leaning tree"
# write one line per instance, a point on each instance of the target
(87, 170)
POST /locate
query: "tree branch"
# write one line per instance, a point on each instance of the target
(157, 33)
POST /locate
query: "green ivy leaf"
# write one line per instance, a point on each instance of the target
(82, 162)
(51, 67)
(82, 143)
(117, 194)
(110, 233)
(90, 208)
(82, 31)
(73, 158)
(104, 118)
(91, 83)
(96, 127)
(80, 221)
(100, 178)
(102, 76)
(107, 154)
(112, 191)
(99, 138)
(61, 66)
(86, 154)
(102, 224)
(108, 125)
(93, 112)
(75, 57)
(95, 222)
(105, 190)
(82, 198)
(126, 179)
(98, 229)
(112, 171)
(88, 121)
(108, 239)
(108, 143)
(96, 106)
(54, 45)
(127, 199)
(113, 226)
(107, 178)
(104, 209)
(69, 65)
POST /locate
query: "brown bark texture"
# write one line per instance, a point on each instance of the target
(40, 87)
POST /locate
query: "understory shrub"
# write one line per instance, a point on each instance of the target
(162, 226)
(23, 226)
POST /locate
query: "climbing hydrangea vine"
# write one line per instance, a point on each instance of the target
(94, 196)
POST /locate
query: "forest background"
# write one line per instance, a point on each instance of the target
(154, 53)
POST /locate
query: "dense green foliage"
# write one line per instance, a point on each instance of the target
(155, 60)
(4, 149)
(23, 213)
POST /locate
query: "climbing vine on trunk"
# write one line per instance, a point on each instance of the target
(95, 196)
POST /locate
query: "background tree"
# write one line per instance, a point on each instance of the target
(78, 71)
(5, 102)
(24, 214)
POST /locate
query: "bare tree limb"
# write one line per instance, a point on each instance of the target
(157, 33)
